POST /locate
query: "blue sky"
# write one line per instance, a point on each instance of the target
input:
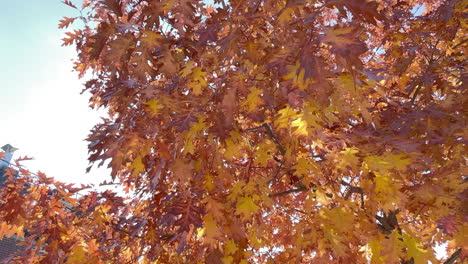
(43, 112)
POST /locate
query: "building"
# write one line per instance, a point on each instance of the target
(8, 245)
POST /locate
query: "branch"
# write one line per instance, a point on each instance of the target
(351, 190)
(288, 192)
(278, 170)
(271, 134)
(454, 257)
(457, 45)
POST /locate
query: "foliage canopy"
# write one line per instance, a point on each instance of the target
(263, 131)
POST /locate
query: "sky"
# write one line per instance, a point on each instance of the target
(43, 113)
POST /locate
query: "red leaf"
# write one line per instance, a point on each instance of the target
(66, 21)
(71, 37)
(361, 9)
(69, 3)
(448, 224)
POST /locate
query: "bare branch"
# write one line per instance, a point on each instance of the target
(454, 257)
(288, 192)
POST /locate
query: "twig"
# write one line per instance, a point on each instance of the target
(457, 45)
(271, 134)
(351, 190)
(454, 257)
(288, 192)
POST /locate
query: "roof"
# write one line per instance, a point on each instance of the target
(8, 247)
(9, 148)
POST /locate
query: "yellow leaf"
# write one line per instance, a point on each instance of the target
(236, 191)
(211, 230)
(232, 149)
(387, 190)
(415, 250)
(346, 81)
(209, 185)
(285, 116)
(292, 71)
(263, 153)
(196, 88)
(386, 162)
(285, 16)
(301, 127)
(153, 106)
(399, 162)
(340, 218)
(150, 39)
(230, 247)
(253, 100)
(189, 147)
(233, 146)
(300, 122)
(321, 196)
(377, 163)
(336, 35)
(77, 255)
(311, 115)
(197, 126)
(297, 76)
(376, 249)
(254, 241)
(197, 80)
(187, 69)
(338, 245)
(137, 166)
(348, 158)
(246, 207)
(197, 73)
(391, 247)
(227, 260)
(303, 167)
(200, 232)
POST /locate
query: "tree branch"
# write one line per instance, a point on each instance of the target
(459, 44)
(454, 257)
(288, 192)
(271, 134)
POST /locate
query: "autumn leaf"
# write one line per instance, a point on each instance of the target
(211, 231)
(137, 166)
(349, 158)
(263, 153)
(415, 251)
(253, 100)
(77, 255)
(304, 167)
(150, 39)
(246, 207)
(285, 15)
(154, 106)
(66, 21)
(449, 224)
(230, 247)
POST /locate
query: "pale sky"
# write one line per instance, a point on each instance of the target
(43, 113)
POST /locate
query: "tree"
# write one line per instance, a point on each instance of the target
(328, 131)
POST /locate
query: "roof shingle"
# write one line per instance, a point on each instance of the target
(9, 246)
